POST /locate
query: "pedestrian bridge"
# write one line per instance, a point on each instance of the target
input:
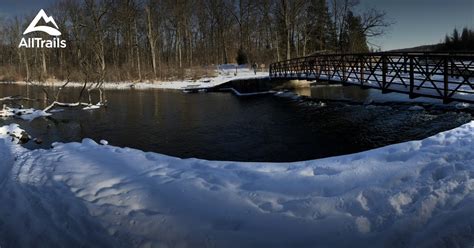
(445, 76)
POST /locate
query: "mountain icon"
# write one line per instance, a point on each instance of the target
(47, 29)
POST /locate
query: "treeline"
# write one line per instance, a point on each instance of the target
(118, 40)
(457, 41)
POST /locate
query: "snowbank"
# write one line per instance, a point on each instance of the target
(414, 194)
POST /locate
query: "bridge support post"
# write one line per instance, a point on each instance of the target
(452, 68)
(343, 62)
(384, 72)
(412, 78)
(362, 63)
(405, 62)
(446, 81)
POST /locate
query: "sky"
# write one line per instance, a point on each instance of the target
(421, 22)
(21, 7)
(416, 22)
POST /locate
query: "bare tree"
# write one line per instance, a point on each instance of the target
(152, 35)
(375, 23)
(120, 40)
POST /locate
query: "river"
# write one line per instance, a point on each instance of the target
(221, 126)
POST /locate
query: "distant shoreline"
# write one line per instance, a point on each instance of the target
(172, 85)
(145, 85)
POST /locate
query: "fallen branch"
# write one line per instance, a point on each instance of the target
(17, 98)
(63, 104)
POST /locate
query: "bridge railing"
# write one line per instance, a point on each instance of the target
(449, 77)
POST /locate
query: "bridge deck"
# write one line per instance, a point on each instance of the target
(449, 77)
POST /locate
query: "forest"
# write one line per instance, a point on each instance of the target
(455, 42)
(136, 40)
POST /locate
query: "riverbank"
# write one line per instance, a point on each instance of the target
(222, 77)
(413, 194)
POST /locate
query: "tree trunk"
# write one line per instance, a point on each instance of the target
(305, 45)
(43, 55)
(287, 28)
(277, 48)
(25, 58)
(151, 40)
(138, 52)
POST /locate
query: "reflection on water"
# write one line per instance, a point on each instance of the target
(356, 94)
(220, 126)
(334, 92)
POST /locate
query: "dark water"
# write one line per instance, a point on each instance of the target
(221, 126)
(355, 93)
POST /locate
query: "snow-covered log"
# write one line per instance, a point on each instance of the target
(25, 114)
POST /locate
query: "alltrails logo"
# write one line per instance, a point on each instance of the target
(56, 42)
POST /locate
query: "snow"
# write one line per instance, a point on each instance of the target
(31, 114)
(92, 107)
(56, 110)
(25, 114)
(12, 128)
(14, 131)
(7, 98)
(416, 108)
(224, 76)
(462, 105)
(225, 73)
(413, 194)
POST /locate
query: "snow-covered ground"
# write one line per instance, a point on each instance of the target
(414, 194)
(224, 74)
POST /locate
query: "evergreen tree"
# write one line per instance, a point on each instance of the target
(241, 57)
(447, 40)
(456, 42)
(455, 37)
(321, 26)
(354, 39)
(465, 38)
